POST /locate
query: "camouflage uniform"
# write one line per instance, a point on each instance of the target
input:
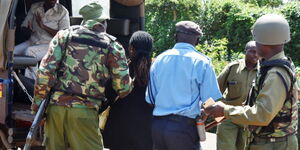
(88, 60)
(235, 82)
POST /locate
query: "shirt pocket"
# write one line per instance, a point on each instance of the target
(234, 89)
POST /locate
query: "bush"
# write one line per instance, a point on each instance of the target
(161, 17)
(217, 50)
(219, 19)
(229, 19)
(292, 13)
(271, 3)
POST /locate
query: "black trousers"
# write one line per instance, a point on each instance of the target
(174, 132)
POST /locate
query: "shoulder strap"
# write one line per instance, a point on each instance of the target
(97, 40)
(283, 81)
(63, 56)
(285, 64)
(276, 62)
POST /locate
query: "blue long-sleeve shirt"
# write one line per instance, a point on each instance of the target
(180, 79)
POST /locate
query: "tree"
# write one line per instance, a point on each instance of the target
(260, 3)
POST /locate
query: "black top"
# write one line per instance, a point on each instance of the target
(129, 123)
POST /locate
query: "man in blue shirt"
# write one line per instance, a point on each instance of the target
(180, 79)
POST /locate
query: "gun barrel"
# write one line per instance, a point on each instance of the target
(35, 124)
(28, 141)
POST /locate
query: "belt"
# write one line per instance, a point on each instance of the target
(270, 139)
(177, 118)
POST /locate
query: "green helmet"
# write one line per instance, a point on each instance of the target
(93, 11)
(271, 29)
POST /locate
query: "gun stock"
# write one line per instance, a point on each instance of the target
(35, 124)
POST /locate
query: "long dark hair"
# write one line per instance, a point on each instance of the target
(141, 44)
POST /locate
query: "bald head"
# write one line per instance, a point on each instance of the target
(250, 45)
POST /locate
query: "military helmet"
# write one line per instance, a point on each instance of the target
(271, 29)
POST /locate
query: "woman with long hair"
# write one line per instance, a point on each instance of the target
(128, 126)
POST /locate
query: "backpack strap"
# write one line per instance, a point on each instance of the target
(90, 42)
(63, 57)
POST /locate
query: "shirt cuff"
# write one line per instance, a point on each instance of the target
(226, 110)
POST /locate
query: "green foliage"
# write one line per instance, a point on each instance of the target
(219, 19)
(217, 50)
(161, 17)
(271, 3)
(292, 13)
(229, 19)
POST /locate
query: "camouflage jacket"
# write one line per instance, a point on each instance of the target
(78, 71)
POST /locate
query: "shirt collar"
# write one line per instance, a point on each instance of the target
(55, 8)
(182, 45)
(243, 66)
(280, 55)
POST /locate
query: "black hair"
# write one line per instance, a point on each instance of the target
(141, 42)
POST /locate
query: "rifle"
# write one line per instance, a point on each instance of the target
(36, 123)
(40, 114)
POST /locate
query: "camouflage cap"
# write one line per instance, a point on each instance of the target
(189, 28)
(92, 11)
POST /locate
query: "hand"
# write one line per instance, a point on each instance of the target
(203, 115)
(43, 121)
(39, 21)
(216, 110)
(34, 107)
(30, 27)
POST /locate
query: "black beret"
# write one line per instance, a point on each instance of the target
(188, 27)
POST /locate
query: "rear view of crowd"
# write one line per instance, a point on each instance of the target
(156, 103)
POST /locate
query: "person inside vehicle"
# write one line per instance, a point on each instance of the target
(42, 22)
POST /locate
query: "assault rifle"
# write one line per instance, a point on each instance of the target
(36, 123)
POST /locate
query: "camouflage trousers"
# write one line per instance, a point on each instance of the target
(74, 127)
